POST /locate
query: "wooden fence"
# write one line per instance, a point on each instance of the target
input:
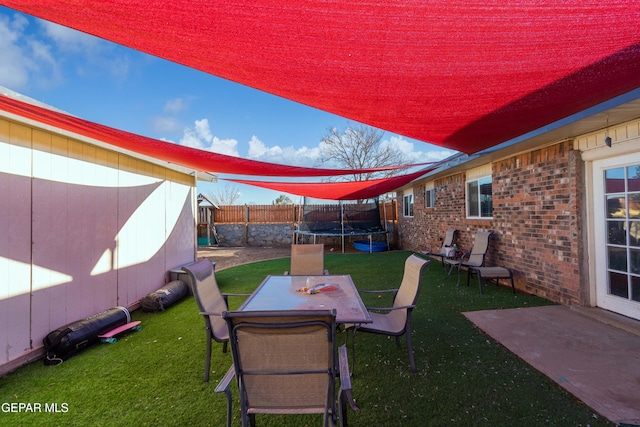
(277, 214)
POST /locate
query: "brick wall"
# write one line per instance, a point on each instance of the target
(537, 207)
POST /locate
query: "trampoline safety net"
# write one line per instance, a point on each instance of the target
(346, 217)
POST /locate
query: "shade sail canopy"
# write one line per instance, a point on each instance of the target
(464, 74)
(200, 160)
(353, 190)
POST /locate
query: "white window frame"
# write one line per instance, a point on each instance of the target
(408, 204)
(468, 202)
(430, 196)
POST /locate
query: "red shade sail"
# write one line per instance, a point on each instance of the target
(200, 160)
(353, 190)
(465, 74)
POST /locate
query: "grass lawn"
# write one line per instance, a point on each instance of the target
(154, 377)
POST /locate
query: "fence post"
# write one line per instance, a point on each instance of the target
(246, 224)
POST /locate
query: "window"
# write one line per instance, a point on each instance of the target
(479, 198)
(430, 196)
(407, 203)
(622, 227)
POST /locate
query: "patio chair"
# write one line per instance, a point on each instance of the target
(307, 260)
(446, 250)
(476, 257)
(396, 320)
(495, 273)
(286, 362)
(212, 303)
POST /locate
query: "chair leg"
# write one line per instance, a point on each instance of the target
(450, 269)
(342, 409)
(412, 362)
(207, 365)
(353, 348)
(480, 282)
(229, 406)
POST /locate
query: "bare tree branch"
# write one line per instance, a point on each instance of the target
(226, 195)
(360, 147)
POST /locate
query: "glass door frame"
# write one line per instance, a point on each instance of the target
(616, 247)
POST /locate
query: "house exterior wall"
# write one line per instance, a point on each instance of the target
(598, 157)
(537, 222)
(82, 229)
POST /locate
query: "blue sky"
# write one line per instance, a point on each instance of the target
(129, 90)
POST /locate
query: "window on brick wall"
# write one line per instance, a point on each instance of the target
(407, 203)
(479, 198)
(430, 198)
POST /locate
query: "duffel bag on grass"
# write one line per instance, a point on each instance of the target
(169, 294)
(68, 340)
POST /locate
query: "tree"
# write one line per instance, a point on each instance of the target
(226, 195)
(360, 147)
(283, 199)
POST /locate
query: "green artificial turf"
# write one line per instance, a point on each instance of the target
(154, 377)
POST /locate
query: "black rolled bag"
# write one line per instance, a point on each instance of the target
(169, 294)
(68, 340)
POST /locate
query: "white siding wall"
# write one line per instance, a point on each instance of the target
(82, 229)
(15, 238)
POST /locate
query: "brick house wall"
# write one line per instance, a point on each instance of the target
(537, 205)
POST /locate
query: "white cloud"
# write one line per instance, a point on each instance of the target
(224, 146)
(96, 56)
(175, 106)
(200, 137)
(15, 63)
(303, 156)
(165, 125)
(417, 156)
(38, 54)
(70, 40)
(203, 131)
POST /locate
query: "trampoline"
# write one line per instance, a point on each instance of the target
(343, 220)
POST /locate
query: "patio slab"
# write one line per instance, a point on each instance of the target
(592, 358)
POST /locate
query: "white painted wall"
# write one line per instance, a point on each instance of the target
(82, 229)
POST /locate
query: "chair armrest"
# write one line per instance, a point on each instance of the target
(393, 293)
(436, 251)
(401, 307)
(345, 378)
(226, 297)
(223, 385)
(373, 291)
(324, 272)
(210, 313)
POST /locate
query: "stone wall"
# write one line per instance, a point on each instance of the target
(537, 203)
(277, 234)
(254, 234)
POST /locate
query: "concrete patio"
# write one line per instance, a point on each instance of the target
(594, 354)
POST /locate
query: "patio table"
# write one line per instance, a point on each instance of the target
(310, 293)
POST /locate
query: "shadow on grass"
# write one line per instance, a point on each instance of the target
(154, 377)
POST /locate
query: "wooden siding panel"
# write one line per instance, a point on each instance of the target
(15, 239)
(59, 245)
